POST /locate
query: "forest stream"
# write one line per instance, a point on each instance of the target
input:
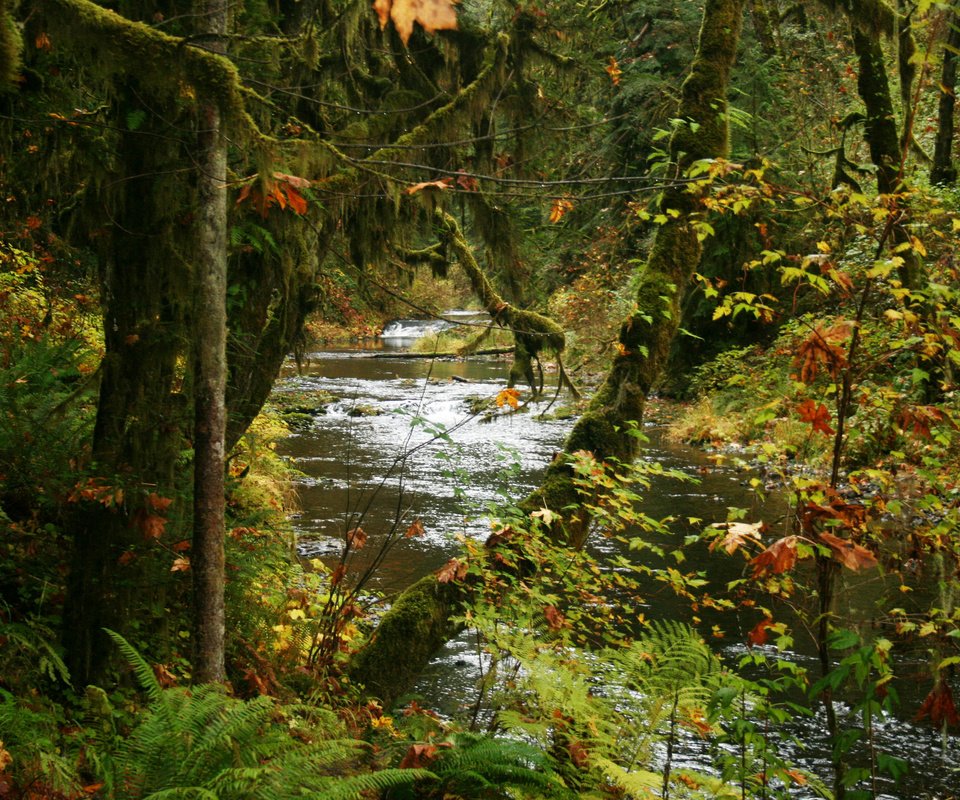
(400, 442)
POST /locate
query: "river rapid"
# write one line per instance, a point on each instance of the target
(401, 442)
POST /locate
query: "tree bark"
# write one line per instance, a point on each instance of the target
(943, 170)
(211, 379)
(645, 341)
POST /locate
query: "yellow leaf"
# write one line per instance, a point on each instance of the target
(560, 208)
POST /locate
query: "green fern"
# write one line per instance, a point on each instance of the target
(202, 744)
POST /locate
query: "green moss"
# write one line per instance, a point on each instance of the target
(414, 628)
(11, 45)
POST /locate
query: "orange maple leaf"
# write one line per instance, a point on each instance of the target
(938, 706)
(453, 570)
(181, 564)
(414, 529)
(356, 538)
(433, 15)
(850, 554)
(758, 635)
(822, 348)
(778, 557)
(561, 206)
(508, 397)
(613, 70)
(442, 183)
(818, 415)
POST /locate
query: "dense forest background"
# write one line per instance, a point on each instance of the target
(748, 206)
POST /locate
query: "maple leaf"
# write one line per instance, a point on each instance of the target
(561, 206)
(151, 525)
(181, 564)
(613, 70)
(938, 706)
(453, 570)
(509, 396)
(158, 503)
(433, 15)
(338, 574)
(126, 557)
(181, 546)
(296, 201)
(442, 183)
(415, 528)
(818, 415)
(419, 756)
(777, 558)
(850, 554)
(737, 534)
(356, 538)
(758, 635)
(920, 419)
(164, 676)
(42, 42)
(467, 182)
(554, 617)
(822, 348)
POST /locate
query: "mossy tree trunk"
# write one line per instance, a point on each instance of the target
(142, 418)
(943, 171)
(645, 339)
(880, 130)
(210, 367)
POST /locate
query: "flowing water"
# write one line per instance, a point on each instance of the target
(402, 443)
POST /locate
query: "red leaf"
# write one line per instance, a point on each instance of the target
(414, 529)
(778, 557)
(850, 554)
(181, 546)
(151, 525)
(817, 415)
(939, 706)
(338, 574)
(126, 557)
(758, 636)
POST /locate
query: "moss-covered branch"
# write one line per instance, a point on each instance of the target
(10, 46)
(533, 332)
(119, 47)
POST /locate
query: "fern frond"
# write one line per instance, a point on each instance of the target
(143, 671)
(356, 786)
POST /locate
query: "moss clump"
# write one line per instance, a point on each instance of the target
(410, 633)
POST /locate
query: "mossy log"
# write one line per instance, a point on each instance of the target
(645, 338)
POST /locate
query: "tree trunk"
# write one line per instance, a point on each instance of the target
(210, 380)
(881, 133)
(943, 170)
(645, 342)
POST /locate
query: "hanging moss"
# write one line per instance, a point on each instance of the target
(533, 333)
(11, 45)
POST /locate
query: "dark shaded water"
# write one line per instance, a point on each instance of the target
(401, 443)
